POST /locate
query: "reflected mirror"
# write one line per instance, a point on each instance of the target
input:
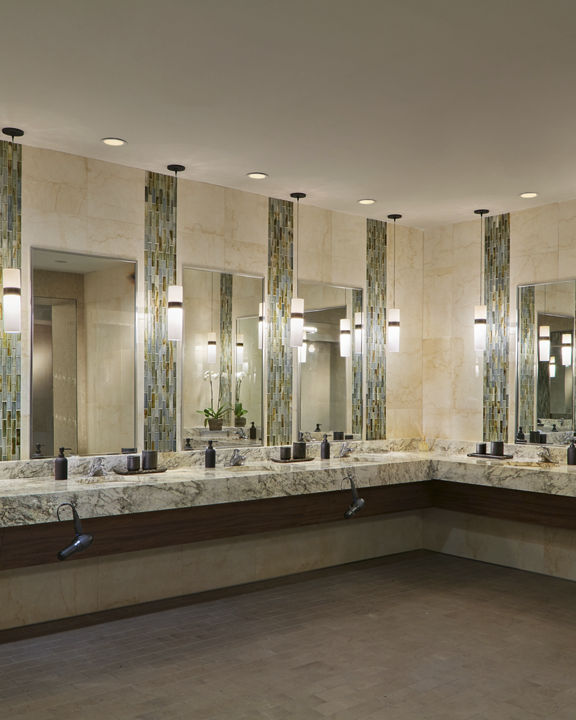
(222, 359)
(545, 385)
(83, 354)
(330, 361)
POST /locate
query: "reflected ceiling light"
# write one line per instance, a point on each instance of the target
(114, 142)
(480, 310)
(358, 332)
(393, 313)
(297, 304)
(528, 195)
(552, 367)
(567, 349)
(544, 343)
(257, 175)
(366, 201)
(175, 314)
(345, 338)
(11, 291)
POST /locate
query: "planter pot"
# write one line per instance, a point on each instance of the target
(215, 424)
(239, 422)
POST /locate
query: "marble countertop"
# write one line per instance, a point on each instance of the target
(31, 500)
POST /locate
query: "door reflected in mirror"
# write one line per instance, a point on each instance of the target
(83, 354)
(545, 384)
(330, 361)
(222, 359)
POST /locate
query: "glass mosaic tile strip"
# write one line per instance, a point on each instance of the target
(497, 294)
(280, 274)
(375, 329)
(159, 273)
(526, 358)
(225, 396)
(10, 346)
(357, 399)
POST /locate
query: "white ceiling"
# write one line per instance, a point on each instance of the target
(433, 107)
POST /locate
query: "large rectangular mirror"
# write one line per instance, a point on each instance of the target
(222, 365)
(330, 363)
(545, 384)
(83, 353)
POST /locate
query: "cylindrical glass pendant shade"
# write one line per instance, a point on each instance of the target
(345, 338)
(393, 333)
(211, 354)
(296, 322)
(480, 328)
(175, 312)
(11, 303)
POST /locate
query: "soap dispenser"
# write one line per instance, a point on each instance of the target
(299, 448)
(252, 431)
(520, 436)
(571, 454)
(325, 449)
(61, 465)
(210, 456)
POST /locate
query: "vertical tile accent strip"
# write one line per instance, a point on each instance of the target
(280, 275)
(159, 273)
(497, 294)
(357, 400)
(526, 357)
(10, 349)
(375, 330)
(225, 394)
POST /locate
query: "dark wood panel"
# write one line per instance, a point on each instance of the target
(38, 544)
(539, 508)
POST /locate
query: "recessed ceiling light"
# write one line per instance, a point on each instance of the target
(528, 195)
(257, 175)
(116, 142)
(366, 201)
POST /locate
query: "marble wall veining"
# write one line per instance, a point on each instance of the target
(10, 253)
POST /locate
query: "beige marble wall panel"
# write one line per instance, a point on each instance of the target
(567, 239)
(75, 588)
(348, 266)
(315, 243)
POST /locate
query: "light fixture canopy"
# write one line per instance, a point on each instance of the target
(113, 141)
(11, 300)
(257, 175)
(175, 312)
(345, 337)
(544, 343)
(176, 168)
(13, 132)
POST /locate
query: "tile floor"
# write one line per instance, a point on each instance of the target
(418, 636)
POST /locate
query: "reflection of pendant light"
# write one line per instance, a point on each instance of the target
(393, 331)
(544, 343)
(552, 367)
(303, 350)
(567, 349)
(260, 326)
(480, 313)
(211, 351)
(239, 350)
(11, 300)
(175, 312)
(297, 304)
(358, 333)
(11, 281)
(345, 338)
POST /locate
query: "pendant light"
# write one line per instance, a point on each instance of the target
(358, 333)
(175, 314)
(239, 351)
(480, 312)
(260, 325)
(393, 313)
(303, 350)
(11, 278)
(544, 343)
(345, 338)
(567, 349)
(297, 304)
(211, 349)
(552, 367)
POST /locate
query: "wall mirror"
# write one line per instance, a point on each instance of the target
(222, 359)
(545, 383)
(83, 354)
(330, 361)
